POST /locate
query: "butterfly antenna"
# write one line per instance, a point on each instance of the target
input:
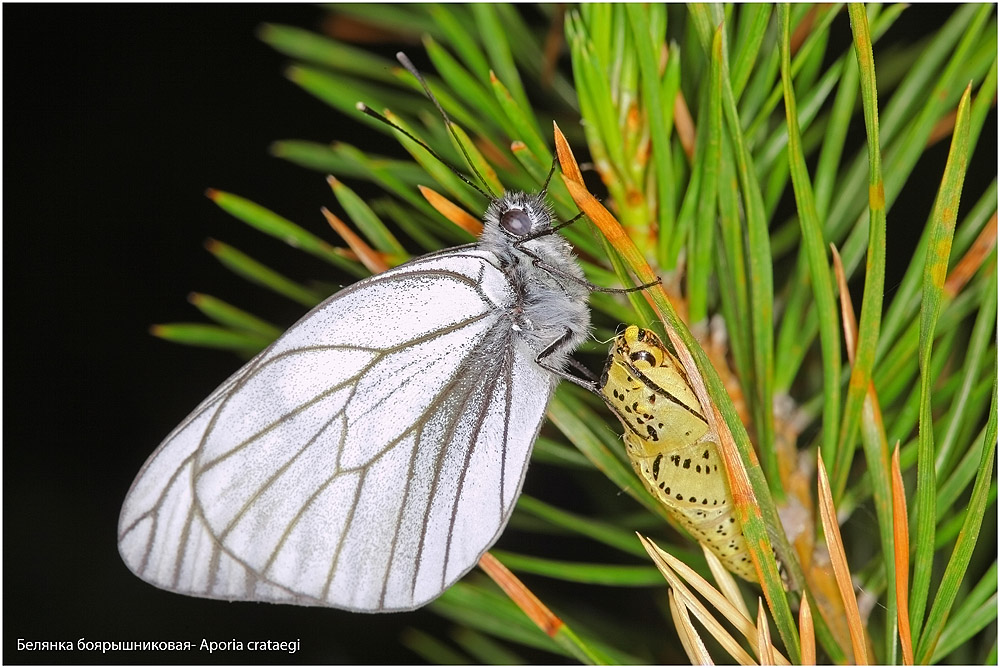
(405, 62)
(368, 111)
(552, 170)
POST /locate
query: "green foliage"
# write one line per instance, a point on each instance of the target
(801, 140)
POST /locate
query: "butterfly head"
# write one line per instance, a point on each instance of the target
(517, 218)
(515, 215)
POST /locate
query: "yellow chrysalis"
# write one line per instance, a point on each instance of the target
(670, 446)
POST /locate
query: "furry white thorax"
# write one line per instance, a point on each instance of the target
(550, 301)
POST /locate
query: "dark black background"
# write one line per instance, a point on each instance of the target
(116, 119)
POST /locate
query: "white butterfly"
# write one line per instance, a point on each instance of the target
(370, 456)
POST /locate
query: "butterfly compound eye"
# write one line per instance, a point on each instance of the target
(516, 222)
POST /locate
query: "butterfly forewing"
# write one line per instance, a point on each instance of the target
(366, 460)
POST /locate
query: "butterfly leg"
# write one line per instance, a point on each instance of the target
(589, 384)
(555, 271)
(587, 373)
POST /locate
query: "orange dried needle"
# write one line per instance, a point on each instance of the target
(846, 307)
(452, 211)
(372, 259)
(838, 559)
(567, 162)
(973, 258)
(684, 125)
(536, 611)
(807, 634)
(901, 542)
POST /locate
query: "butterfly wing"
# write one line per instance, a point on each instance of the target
(366, 460)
